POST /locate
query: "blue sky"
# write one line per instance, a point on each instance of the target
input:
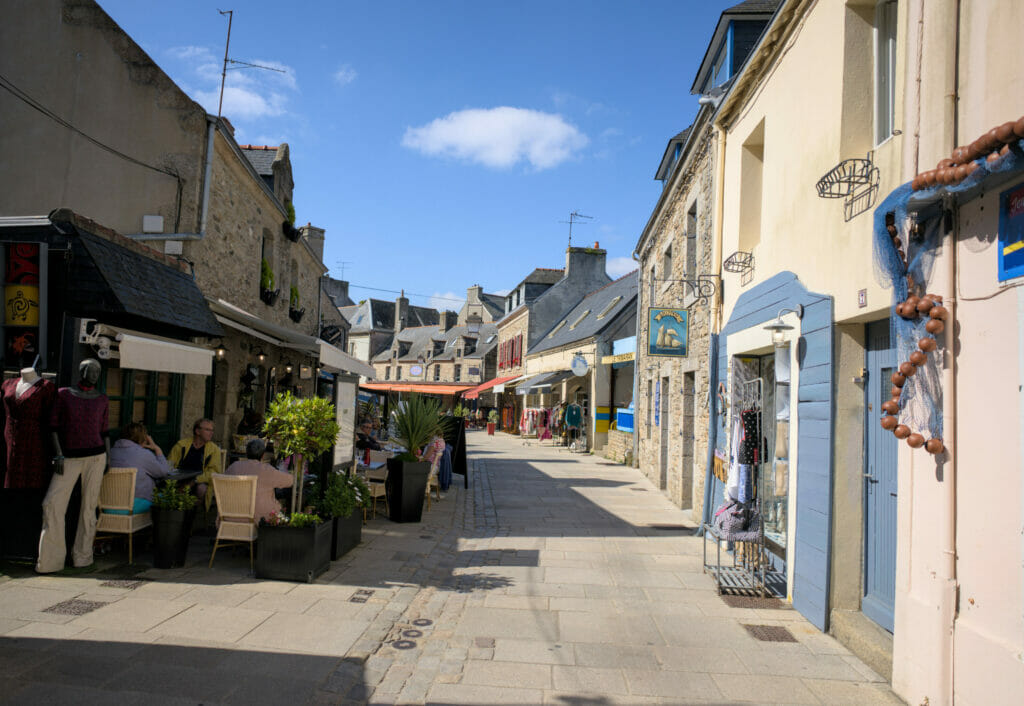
(441, 143)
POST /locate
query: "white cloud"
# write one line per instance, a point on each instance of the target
(618, 266)
(241, 103)
(498, 137)
(443, 302)
(190, 53)
(345, 75)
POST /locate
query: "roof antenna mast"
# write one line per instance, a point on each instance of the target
(574, 217)
(241, 64)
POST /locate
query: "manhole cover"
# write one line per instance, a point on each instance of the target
(123, 583)
(74, 607)
(412, 633)
(422, 622)
(770, 633)
(403, 644)
(758, 602)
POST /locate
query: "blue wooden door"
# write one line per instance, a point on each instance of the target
(879, 483)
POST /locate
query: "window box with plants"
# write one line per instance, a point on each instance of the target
(417, 421)
(294, 311)
(288, 226)
(268, 294)
(342, 501)
(174, 510)
(297, 546)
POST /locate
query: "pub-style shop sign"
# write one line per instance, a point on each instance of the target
(667, 332)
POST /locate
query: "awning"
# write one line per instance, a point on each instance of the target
(555, 378)
(422, 387)
(332, 358)
(524, 388)
(500, 387)
(139, 351)
(475, 392)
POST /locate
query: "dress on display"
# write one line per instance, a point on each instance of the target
(26, 423)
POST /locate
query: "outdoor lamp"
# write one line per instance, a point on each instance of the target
(779, 327)
(261, 357)
(473, 322)
(288, 367)
(220, 350)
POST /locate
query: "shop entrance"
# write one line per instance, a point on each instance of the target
(879, 483)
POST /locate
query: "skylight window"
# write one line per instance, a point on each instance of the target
(490, 338)
(579, 320)
(611, 305)
(556, 328)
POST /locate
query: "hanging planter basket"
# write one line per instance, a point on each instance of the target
(296, 314)
(269, 296)
(291, 232)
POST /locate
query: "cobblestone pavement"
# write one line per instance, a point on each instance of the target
(555, 578)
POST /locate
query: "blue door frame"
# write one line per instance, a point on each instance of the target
(880, 465)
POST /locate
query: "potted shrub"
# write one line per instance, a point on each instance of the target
(462, 413)
(294, 547)
(416, 421)
(304, 428)
(174, 510)
(294, 312)
(267, 292)
(492, 421)
(343, 500)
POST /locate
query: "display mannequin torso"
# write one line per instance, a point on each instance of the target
(82, 424)
(29, 377)
(27, 402)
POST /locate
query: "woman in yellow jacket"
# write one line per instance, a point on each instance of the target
(198, 454)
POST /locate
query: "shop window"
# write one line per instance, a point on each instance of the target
(458, 373)
(149, 397)
(885, 70)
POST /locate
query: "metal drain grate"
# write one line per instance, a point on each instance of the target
(757, 602)
(74, 607)
(123, 583)
(361, 595)
(770, 633)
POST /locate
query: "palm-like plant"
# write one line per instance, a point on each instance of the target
(417, 421)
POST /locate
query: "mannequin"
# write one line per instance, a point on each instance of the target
(79, 435)
(24, 460)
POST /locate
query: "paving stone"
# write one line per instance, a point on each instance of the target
(844, 692)
(589, 679)
(762, 688)
(475, 694)
(683, 686)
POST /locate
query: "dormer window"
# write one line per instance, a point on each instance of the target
(468, 346)
(438, 347)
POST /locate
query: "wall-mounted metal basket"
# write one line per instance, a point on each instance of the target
(844, 178)
(739, 262)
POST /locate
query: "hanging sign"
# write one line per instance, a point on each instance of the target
(416, 370)
(1011, 233)
(579, 366)
(667, 332)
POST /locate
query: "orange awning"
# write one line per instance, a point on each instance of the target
(422, 387)
(475, 392)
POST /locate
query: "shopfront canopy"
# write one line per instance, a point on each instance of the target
(541, 382)
(422, 387)
(475, 392)
(331, 358)
(140, 351)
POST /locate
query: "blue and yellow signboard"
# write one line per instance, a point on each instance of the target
(667, 332)
(1011, 233)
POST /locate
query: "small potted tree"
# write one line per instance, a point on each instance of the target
(492, 421)
(267, 292)
(461, 412)
(343, 500)
(417, 421)
(174, 510)
(297, 546)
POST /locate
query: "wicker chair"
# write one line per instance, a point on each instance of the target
(236, 509)
(118, 493)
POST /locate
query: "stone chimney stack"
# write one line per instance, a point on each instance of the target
(315, 237)
(401, 312)
(586, 264)
(447, 319)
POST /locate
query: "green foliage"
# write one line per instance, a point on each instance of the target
(344, 494)
(418, 422)
(492, 416)
(266, 275)
(301, 426)
(171, 496)
(460, 410)
(293, 297)
(297, 519)
(290, 208)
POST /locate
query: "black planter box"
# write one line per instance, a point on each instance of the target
(348, 532)
(269, 296)
(171, 531)
(296, 314)
(293, 553)
(406, 486)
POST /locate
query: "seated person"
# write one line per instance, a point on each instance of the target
(267, 478)
(198, 454)
(137, 450)
(364, 440)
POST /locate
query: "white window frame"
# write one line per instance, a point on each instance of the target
(885, 34)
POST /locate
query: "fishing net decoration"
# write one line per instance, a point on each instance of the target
(921, 398)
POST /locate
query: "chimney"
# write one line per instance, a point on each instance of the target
(401, 312)
(473, 294)
(315, 237)
(586, 264)
(447, 319)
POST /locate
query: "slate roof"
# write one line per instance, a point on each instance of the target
(757, 7)
(261, 157)
(593, 304)
(421, 343)
(119, 284)
(667, 157)
(495, 304)
(544, 275)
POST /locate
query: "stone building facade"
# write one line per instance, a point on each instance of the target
(677, 245)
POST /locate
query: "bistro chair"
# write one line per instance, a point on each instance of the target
(432, 482)
(117, 501)
(236, 511)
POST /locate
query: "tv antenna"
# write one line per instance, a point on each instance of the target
(574, 217)
(235, 64)
(341, 264)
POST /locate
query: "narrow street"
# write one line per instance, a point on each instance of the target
(556, 578)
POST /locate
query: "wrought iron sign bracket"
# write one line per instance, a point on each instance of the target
(703, 287)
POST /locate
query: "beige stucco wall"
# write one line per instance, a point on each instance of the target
(75, 61)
